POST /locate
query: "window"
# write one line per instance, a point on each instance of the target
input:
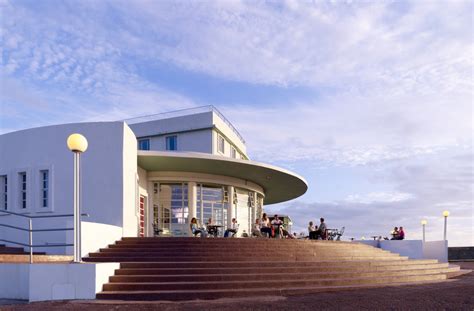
(233, 153)
(220, 144)
(44, 180)
(172, 142)
(22, 179)
(4, 192)
(144, 144)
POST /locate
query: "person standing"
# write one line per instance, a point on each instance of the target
(321, 232)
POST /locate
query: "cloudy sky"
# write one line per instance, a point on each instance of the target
(370, 101)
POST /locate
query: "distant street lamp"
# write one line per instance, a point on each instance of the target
(445, 214)
(423, 223)
(77, 144)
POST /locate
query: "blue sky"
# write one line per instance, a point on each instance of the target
(371, 101)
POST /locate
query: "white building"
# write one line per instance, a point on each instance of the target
(152, 172)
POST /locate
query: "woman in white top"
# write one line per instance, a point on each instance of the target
(312, 231)
(256, 229)
(265, 226)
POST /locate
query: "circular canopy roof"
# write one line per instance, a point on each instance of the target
(279, 184)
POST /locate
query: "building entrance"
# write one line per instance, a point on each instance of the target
(171, 212)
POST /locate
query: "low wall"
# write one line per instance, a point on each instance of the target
(40, 282)
(413, 249)
(461, 253)
(95, 236)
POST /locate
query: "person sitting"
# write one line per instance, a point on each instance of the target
(256, 229)
(321, 232)
(234, 227)
(401, 234)
(286, 234)
(395, 234)
(276, 224)
(211, 228)
(196, 230)
(265, 226)
(311, 231)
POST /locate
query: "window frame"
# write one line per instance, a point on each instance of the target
(4, 187)
(233, 152)
(168, 139)
(219, 139)
(23, 191)
(142, 140)
(44, 189)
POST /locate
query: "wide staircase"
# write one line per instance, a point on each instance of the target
(195, 268)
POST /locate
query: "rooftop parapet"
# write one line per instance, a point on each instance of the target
(184, 112)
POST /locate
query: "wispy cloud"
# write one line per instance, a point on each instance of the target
(389, 87)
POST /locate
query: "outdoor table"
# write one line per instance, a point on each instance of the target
(213, 229)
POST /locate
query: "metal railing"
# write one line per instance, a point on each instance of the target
(184, 112)
(30, 230)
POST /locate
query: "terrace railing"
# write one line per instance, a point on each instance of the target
(184, 112)
(30, 230)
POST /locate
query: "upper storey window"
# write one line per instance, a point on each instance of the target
(144, 144)
(4, 192)
(172, 142)
(23, 184)
(233, 153)
(44, 180)
(220, 144)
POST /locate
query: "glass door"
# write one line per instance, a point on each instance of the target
(173, 209)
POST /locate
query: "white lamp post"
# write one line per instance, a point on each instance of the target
(423, 224)
(445, 214)
(77, 144)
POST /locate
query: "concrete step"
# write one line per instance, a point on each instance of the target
(254, 270)
(195, 268)
(243, 259)
(230, 277)
(275, 264)
(268, 283)
(204, 252)
(235, 293)
(249, 248)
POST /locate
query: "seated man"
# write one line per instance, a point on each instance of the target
(321, 232)
(211, 229)
(234, 227)
(276, 224)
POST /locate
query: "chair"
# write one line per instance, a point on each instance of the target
(340, 233)
(157, 231)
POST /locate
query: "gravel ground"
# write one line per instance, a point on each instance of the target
(456, 294)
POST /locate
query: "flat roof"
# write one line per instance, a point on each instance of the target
(279, 184)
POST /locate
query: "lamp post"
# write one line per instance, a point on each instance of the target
(423, 224)
(77, 144)
(445, 214)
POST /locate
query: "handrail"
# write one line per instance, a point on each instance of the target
(41, 216)
(30, 230)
